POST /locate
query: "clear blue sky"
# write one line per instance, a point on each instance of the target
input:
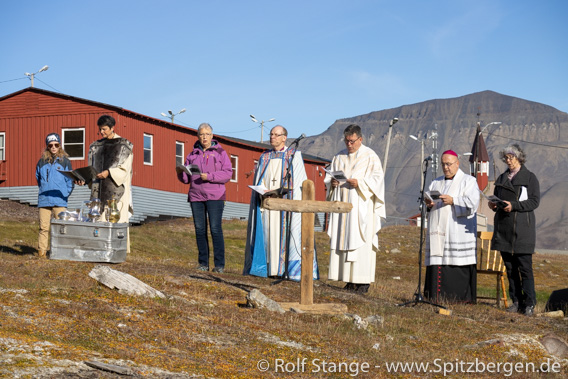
(305, 63)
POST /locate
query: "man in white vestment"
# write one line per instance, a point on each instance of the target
(451, 244)
(266, 252)
(354, 235)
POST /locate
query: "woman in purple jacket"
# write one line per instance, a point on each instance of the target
(207, 194)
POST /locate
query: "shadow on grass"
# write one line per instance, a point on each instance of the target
(23, 250)
(242, 286)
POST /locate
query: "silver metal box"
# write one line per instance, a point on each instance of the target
(88, 241)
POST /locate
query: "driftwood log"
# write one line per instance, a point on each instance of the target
(110, 368)
(306, 206)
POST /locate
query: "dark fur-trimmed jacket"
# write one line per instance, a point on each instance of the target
(515, 231)
(105, 154)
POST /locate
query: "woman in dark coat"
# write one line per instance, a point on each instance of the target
(515, 227)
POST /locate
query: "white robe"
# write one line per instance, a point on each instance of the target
(122, 175)
(270, 259)
(354, 235)
(458, 233)
(272, 219)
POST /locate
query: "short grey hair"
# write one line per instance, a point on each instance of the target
(513, 149)
(284, 131)
(205, 125)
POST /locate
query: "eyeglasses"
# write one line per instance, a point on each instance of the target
(509, 157)
(351, 141)
(275, 135)
(447, 164)
(53, 145)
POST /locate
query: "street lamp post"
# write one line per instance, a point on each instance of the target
(261, 126)
(491, 123)
(391, 123)
(31, 76)
(421, 157)
(172, 114)
(434, 138)
(465, 155)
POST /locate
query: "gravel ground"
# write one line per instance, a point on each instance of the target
(42, 366)
(12, 210)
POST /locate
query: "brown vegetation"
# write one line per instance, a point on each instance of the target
(53, 316)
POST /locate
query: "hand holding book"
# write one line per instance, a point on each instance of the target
(83, 175)
(191, 169)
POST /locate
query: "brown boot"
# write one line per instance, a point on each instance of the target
(42, 253)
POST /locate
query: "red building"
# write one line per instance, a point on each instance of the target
(27, 116)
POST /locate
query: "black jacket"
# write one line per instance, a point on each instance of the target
(515, 232)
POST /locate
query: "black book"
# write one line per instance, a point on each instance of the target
(83, 174)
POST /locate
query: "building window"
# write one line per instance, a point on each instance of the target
(235, 165)
(179, 153)
(148, 145)
(74, 142)
(2, 146)
(250, 173)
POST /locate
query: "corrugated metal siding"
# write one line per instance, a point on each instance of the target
(148, 203)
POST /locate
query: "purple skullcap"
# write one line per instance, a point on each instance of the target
(450, 152)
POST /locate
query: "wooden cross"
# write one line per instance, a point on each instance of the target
(308, 207)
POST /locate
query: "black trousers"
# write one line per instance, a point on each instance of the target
(521, 279)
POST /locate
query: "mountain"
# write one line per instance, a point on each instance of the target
(541, 130)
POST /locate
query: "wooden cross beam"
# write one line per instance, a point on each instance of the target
(308, 207)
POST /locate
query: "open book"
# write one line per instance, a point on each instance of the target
(191, 169)
(83, 174)
(263, 191)
(337, 175)
(494, 199)
(432, 195)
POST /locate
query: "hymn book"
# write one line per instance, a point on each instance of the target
(432, 195)
(263, 191)
(83, 174)
(337, 175)
(191, 169)
(494, 199)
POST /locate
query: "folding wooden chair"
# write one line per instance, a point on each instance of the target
(489, 262)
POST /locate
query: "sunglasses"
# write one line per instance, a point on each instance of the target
(53, 145)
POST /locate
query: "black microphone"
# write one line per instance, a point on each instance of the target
(428, 158)
(298, 139)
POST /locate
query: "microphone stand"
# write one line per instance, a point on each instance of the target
(281, 193)
(418, 297)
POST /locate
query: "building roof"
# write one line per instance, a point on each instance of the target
(221, 138)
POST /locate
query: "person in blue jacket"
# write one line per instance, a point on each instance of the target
(54, 187)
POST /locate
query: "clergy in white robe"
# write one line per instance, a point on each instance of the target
(266, 252)
(451, 243)
(354, 235)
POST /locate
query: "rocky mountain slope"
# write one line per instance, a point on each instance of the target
(541, 130)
